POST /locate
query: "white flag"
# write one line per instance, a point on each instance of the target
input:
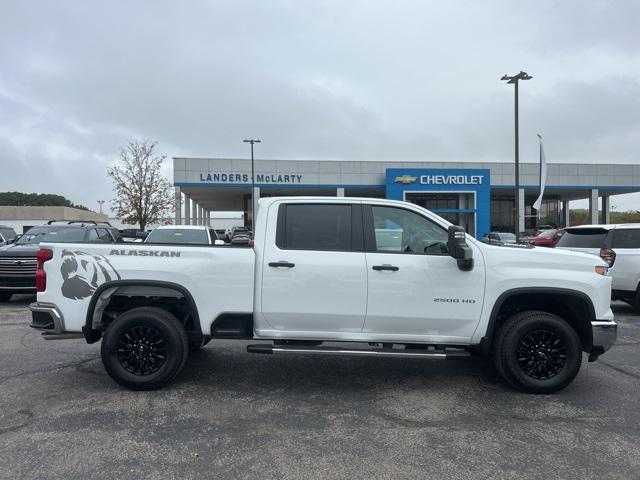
(543, 175)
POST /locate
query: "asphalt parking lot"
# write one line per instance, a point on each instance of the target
(231, 414)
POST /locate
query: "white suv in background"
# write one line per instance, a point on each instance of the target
(619, 246)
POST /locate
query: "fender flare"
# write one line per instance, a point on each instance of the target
(92, 336)
(487, 339)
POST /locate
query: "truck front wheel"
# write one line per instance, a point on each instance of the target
(144, 348)
(538, 352)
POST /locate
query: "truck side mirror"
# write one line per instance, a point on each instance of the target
(458, 248)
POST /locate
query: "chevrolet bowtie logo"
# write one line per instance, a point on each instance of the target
(405, 179)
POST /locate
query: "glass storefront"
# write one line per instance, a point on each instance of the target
(457, 208)
(503, 216)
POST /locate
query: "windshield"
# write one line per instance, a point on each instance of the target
(583, 238)
(7, 233)
(507, 237)
(547, 233)
(52, 234)
(178, 235)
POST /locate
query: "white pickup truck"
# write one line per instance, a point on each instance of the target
(375, 277)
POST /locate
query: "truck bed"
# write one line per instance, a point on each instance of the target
(219, 278)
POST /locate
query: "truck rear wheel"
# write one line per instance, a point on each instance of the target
(144, 348)
(537, 352)
(5, 297)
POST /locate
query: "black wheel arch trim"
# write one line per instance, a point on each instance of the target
(92, 336)
(487, 341)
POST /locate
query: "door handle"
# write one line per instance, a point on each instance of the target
(392, 268)
(282, 264)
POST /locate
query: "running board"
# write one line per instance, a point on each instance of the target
(61, 336)
(446, 354)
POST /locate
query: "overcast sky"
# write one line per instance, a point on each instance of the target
(403, 80)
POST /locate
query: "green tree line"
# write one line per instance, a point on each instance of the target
(20, 199)
(581, 217)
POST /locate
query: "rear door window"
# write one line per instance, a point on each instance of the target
(93, 236)
(104, 235)
(317, 227)
(583, 238)
(625, 238)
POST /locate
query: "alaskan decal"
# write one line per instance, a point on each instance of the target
(145, 253)
(83, 272)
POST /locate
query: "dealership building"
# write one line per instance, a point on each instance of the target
(478, 196)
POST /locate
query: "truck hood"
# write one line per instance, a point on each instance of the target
(544, 255)
(14, 250)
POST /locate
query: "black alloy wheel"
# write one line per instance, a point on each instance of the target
(537, 352)
(142, 350)
(542, 354)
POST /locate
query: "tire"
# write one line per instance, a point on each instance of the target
(537, 352)
(5, 297)
(128, 353)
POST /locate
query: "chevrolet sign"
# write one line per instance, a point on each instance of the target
(406, 179)
(450, 179)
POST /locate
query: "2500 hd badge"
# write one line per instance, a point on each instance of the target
(454, 300)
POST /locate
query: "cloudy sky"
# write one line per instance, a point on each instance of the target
(314, 80)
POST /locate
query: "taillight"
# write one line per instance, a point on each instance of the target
(608, 256)
(251, 243)
(43, 255)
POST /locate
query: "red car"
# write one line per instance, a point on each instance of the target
(546, 238)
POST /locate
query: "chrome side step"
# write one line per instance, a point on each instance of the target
(446, 354)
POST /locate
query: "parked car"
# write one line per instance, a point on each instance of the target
(497, 238)
(241, 239)
(545, 238)
(233, 231)
(18, 260)
(133, 235)
(7, 235)
(184, 234)
(317, 274)
(619, 246)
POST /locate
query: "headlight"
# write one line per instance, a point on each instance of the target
(602, 270)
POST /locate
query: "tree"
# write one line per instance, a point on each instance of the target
(19, 199)
(143, 195)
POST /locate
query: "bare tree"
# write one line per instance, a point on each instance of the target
(143, 195)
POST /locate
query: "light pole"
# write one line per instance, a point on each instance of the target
(515, 79)
(100, 202)
(253, 182)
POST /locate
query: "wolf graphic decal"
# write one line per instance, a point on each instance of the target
(83, 272)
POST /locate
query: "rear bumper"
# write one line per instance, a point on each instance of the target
(47, 317)
(605, 333)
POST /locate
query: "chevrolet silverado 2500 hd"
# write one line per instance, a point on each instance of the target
(380, 277)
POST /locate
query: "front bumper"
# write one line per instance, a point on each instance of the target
(604, 333)
(46, 316)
